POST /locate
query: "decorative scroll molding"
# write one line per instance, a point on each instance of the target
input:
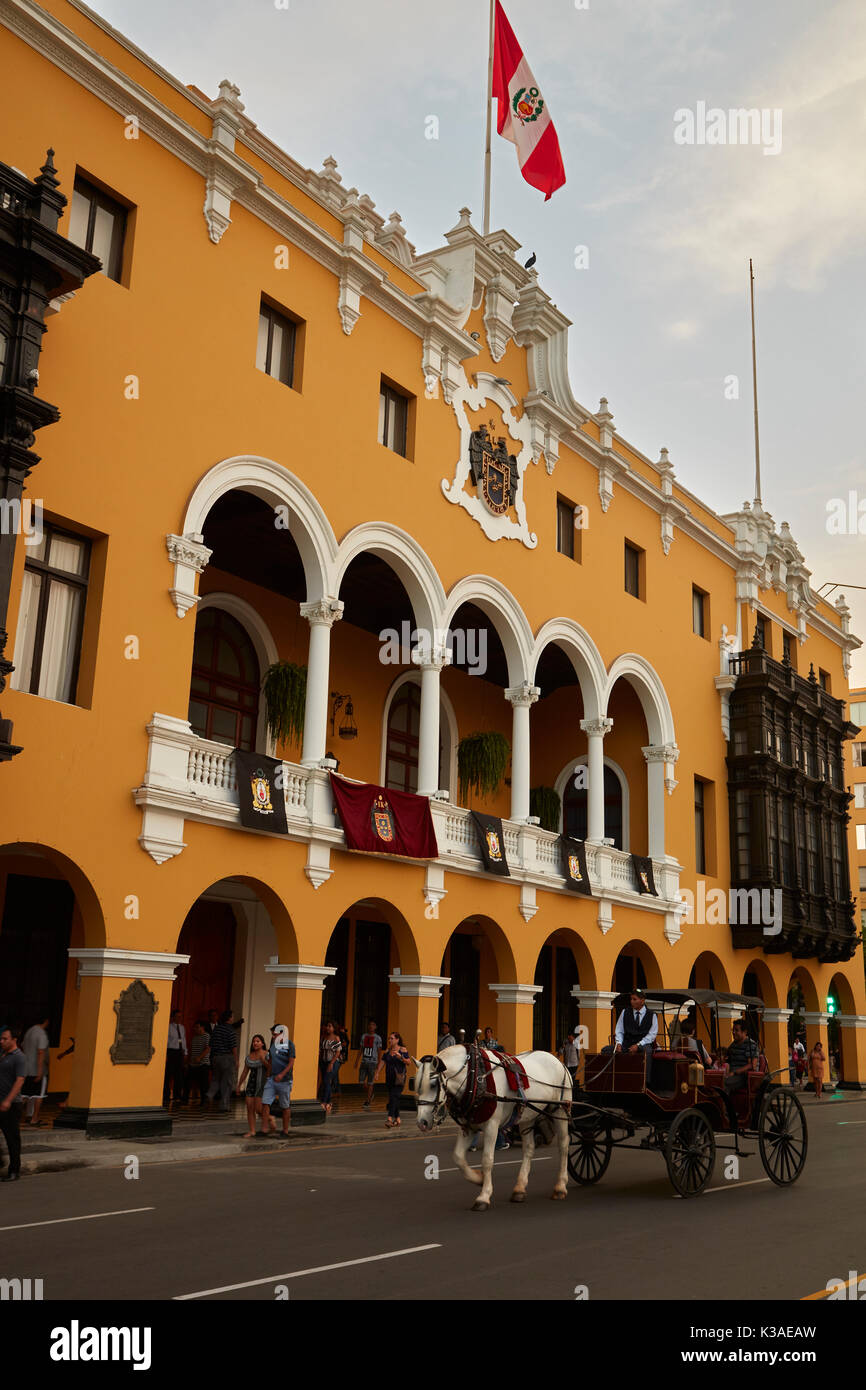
(516, 994)
(114, 962)
(190, 556)
(300, 976)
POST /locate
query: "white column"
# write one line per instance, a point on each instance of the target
(595, 730)
(660, 759)
(430, 665)
(321, 615)
(521, 697)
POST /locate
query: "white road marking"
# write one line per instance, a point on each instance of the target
(59, 1221)
(501, 1163)
(728, 1187)
(851, 1122)
(300, 1273)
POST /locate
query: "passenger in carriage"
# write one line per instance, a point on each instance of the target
(742, 1053)
(689, 1043)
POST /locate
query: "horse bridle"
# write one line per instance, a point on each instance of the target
(440, 1104)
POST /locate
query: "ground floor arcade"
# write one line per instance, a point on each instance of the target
(364, 945)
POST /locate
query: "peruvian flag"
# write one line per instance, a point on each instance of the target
(523, 117)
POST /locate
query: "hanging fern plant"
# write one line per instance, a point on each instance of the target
(481, 763)
(285, 692)
(545, 803)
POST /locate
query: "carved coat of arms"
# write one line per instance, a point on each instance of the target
(493, 470)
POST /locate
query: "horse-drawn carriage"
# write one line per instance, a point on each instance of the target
(671, 1103)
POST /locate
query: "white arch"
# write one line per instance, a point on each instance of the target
(265, 648)
(647, 685)
(561, 783)
(584, 656)
(499, 605)
(406, 558)
(307, 523)
(446, 709)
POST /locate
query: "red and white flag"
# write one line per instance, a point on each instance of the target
(523, 117)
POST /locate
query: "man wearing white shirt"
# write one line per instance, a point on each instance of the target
(175, 1058)
(636, 1030)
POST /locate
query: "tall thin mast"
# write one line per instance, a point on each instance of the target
(486, 209)
(755, 389)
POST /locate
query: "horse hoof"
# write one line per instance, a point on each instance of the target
(480, 1206)
(518, 1196)
(557, 1196)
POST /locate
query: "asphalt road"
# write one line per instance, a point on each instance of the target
(188, 1230)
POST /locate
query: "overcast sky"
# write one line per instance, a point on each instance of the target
(661, 314)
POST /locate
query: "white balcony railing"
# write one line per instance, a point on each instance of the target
(189, 778)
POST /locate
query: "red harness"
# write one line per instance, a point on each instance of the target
(488, 1100)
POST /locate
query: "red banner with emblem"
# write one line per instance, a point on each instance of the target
(377, 820)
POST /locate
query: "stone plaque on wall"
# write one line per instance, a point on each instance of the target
(133, 1039)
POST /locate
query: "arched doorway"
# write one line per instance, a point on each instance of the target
(563, 965)
(575, 811)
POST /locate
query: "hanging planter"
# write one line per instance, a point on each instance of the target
(481, 763)
(545, 803)
(285, 692)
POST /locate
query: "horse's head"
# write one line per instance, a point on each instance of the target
(430, 1092)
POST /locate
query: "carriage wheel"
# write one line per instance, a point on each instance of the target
(589, 1149)
(690, 1152)
(782, 1137)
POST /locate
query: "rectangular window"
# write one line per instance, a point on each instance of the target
(858, 712)
(699, 611)
(773, 836)
(858, 753)
(788, 650)
(393, 416)
(98, 223)
(824, 680)
(48, 641)
(743, 834)
(862, 875)
(861, 836)
(761, 630)
(568, 535)
(275, 348)
(634, 563)
(860, 796)
(786, 842)
(700, 829)
(4, 348)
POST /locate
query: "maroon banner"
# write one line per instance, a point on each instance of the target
(380, 821)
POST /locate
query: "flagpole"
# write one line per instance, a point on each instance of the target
(755, 388)
(486, 208)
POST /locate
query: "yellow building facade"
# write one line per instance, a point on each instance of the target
(271, 448)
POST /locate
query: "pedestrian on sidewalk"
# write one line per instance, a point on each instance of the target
(570, 1054)
(255, 1073)
(368, 1060)
(343, 1057)
(198, 1075)
(34, 1046)
(12, 1073)
(175, 1060)
(224, 1061)
(817, 1062)
(394, 1060)
(329, 1050)
(278, 1086)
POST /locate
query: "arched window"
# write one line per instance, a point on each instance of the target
(574, 811)
(224, 691)
(401, 753)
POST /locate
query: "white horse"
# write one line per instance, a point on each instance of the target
(441, 1087)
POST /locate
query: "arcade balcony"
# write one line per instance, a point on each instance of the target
(190, 778)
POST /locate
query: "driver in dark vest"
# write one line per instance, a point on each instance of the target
(636, 1028)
